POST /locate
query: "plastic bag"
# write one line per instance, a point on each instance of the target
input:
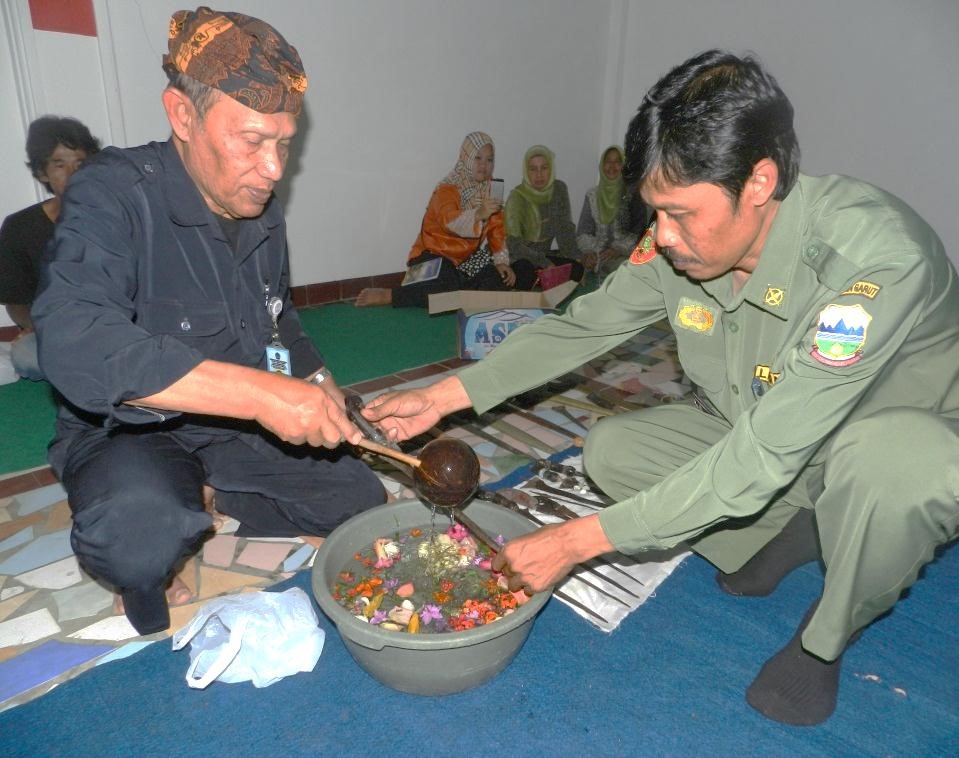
(259, 637)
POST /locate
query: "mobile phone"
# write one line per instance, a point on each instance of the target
(496, 189)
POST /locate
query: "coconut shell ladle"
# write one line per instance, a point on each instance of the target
(446, 473)
(445, 476)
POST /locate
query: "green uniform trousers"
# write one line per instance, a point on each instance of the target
(885, 490)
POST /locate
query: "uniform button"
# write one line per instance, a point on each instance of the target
(734, 327)
(185, 325)
(735, 389)
(242, 324)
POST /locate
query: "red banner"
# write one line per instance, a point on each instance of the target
(67, 16)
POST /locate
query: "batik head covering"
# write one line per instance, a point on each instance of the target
(530, 220)
(610, 192)
(239, 55)
(472, 192)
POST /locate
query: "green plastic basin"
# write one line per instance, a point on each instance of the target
(422, 664)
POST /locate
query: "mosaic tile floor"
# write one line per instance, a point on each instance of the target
(56, 621)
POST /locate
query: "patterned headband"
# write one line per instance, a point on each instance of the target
(239, 55)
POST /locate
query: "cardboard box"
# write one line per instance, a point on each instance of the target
(485, 319)
(474, 301)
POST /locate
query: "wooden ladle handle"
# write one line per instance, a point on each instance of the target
(375, 447)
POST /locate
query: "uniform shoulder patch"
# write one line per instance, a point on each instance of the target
(645, 249)
(863, 288)
(840, 335)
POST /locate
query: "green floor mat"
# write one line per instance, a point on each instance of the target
(26, 424)
(357, 343)
(366, 343)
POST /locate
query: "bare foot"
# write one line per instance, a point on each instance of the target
(176, 594)
(374, 296)
(209, 498)
(209, 505)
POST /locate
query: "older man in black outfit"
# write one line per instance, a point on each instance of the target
(166, 323)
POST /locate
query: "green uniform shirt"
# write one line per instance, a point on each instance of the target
(853, 307)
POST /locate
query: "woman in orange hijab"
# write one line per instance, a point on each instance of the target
(462, 241)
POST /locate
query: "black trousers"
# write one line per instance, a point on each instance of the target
(449, 280)
(137, 505)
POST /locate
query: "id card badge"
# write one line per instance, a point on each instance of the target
(277, 356)
(278, 360)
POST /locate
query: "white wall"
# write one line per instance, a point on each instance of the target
(395, 84)
(394, 87)
(875, 83)
(18, 189)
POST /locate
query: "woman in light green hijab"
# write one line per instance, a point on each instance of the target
(610, 223)
(537, 214)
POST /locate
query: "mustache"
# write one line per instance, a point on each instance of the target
(674, 256)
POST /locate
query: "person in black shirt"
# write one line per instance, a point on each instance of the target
(56, 147)
(160, 318)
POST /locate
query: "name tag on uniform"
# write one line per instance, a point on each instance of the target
(278, 360)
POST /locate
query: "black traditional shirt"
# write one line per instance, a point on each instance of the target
(143, 285)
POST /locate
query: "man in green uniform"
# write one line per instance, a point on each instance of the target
(819, 321)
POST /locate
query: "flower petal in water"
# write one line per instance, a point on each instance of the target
(385, 548)
(457, 532)
(430, 613)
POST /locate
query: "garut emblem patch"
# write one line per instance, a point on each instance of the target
(840, 335)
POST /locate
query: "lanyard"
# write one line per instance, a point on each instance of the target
(277, 356)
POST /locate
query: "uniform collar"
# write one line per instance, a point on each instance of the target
(770, 284)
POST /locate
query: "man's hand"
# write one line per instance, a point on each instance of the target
(537, 561)
(300, 412)
(294, 410)
(589, 261)
(403, 415)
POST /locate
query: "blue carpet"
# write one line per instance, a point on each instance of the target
(669, 681)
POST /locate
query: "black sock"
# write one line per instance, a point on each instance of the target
(796, 544)
(146, 609)
(795, 687)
